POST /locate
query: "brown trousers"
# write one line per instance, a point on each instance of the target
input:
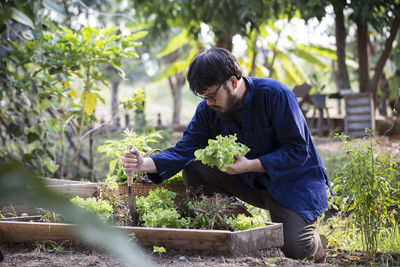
(300, 238)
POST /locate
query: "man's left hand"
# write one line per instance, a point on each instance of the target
(242, 165)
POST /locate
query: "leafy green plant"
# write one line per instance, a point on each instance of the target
(157, 199)
(115, 148)
(118, 203)
(221, 152)
(176, 179)
(100, 207)
(242, 222)
(165, 218)
(211, 212)
(367, 188)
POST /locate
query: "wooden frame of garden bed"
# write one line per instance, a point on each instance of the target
(200, 241)
(219, 242)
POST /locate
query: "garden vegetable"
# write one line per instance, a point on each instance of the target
(221, 152)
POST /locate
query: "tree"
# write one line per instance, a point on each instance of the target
(225, 18)
(384, 18)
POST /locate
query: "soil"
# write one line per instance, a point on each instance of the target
(30, 255)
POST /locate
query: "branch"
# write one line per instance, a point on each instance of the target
(102, 125)
(385, 54)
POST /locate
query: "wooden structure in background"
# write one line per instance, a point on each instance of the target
(359, 114)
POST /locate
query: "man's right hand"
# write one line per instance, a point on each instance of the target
(132, 160)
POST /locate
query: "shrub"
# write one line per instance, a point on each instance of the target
(366, 190)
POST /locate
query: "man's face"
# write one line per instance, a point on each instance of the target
(223, 101)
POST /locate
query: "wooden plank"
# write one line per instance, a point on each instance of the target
(359, 126)
(351, 118)
(257, 239)
(83, 190)
(358, 102)
(359, 114)
(31, 232)
(362, 110)
(201, 241)
(356, 133)
(71, 190)
(22, 218)
(53, 181)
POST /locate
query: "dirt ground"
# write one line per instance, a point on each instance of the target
(29, 255)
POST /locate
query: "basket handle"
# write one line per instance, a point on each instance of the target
(139, 177)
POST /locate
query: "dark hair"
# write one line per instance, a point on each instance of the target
(212, 67)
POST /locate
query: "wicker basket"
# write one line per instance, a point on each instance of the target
(142, 190)
(142, 186)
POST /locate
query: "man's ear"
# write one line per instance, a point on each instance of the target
(234, 81)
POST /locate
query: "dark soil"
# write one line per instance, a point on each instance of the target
(28, 255)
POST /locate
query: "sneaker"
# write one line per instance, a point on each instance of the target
(320, 254)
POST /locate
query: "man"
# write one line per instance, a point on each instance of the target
(282, 172)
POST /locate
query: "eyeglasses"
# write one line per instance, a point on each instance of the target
(211, 97)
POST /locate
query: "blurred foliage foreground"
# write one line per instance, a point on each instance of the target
(19, 184)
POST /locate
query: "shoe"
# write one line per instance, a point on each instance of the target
(320, 254)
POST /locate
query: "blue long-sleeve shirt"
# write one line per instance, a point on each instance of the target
(274, 129)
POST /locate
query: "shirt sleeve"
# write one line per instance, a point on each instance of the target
(290, 131)
(171, 160)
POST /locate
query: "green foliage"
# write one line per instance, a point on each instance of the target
(242, 222)
(160, 198)
(211, 212)
(159, 210)
(118, 203)
(367, 189)
(100, 207)
(115, 148)
(159, 250)
(221, 152)
(136, 100)
(195, 211)
(50, 246)
(165, 218)
(89, 227)
(176, 179)
(43, 104)
(389, 240)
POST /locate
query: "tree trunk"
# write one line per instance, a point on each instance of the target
(342, 75)
(254, 56)
(176, 90)
(114, 104)
(385, 54)
(224, 40)
(362, 54)
(91, 155)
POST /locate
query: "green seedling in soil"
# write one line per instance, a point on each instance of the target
(50, 216)
(50, 246)
(159, 250)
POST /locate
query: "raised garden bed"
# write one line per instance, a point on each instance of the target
(201, 241)
(27, 229)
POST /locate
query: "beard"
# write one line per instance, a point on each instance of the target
(233, 104)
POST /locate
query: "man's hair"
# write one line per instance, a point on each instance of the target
(212, 67)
